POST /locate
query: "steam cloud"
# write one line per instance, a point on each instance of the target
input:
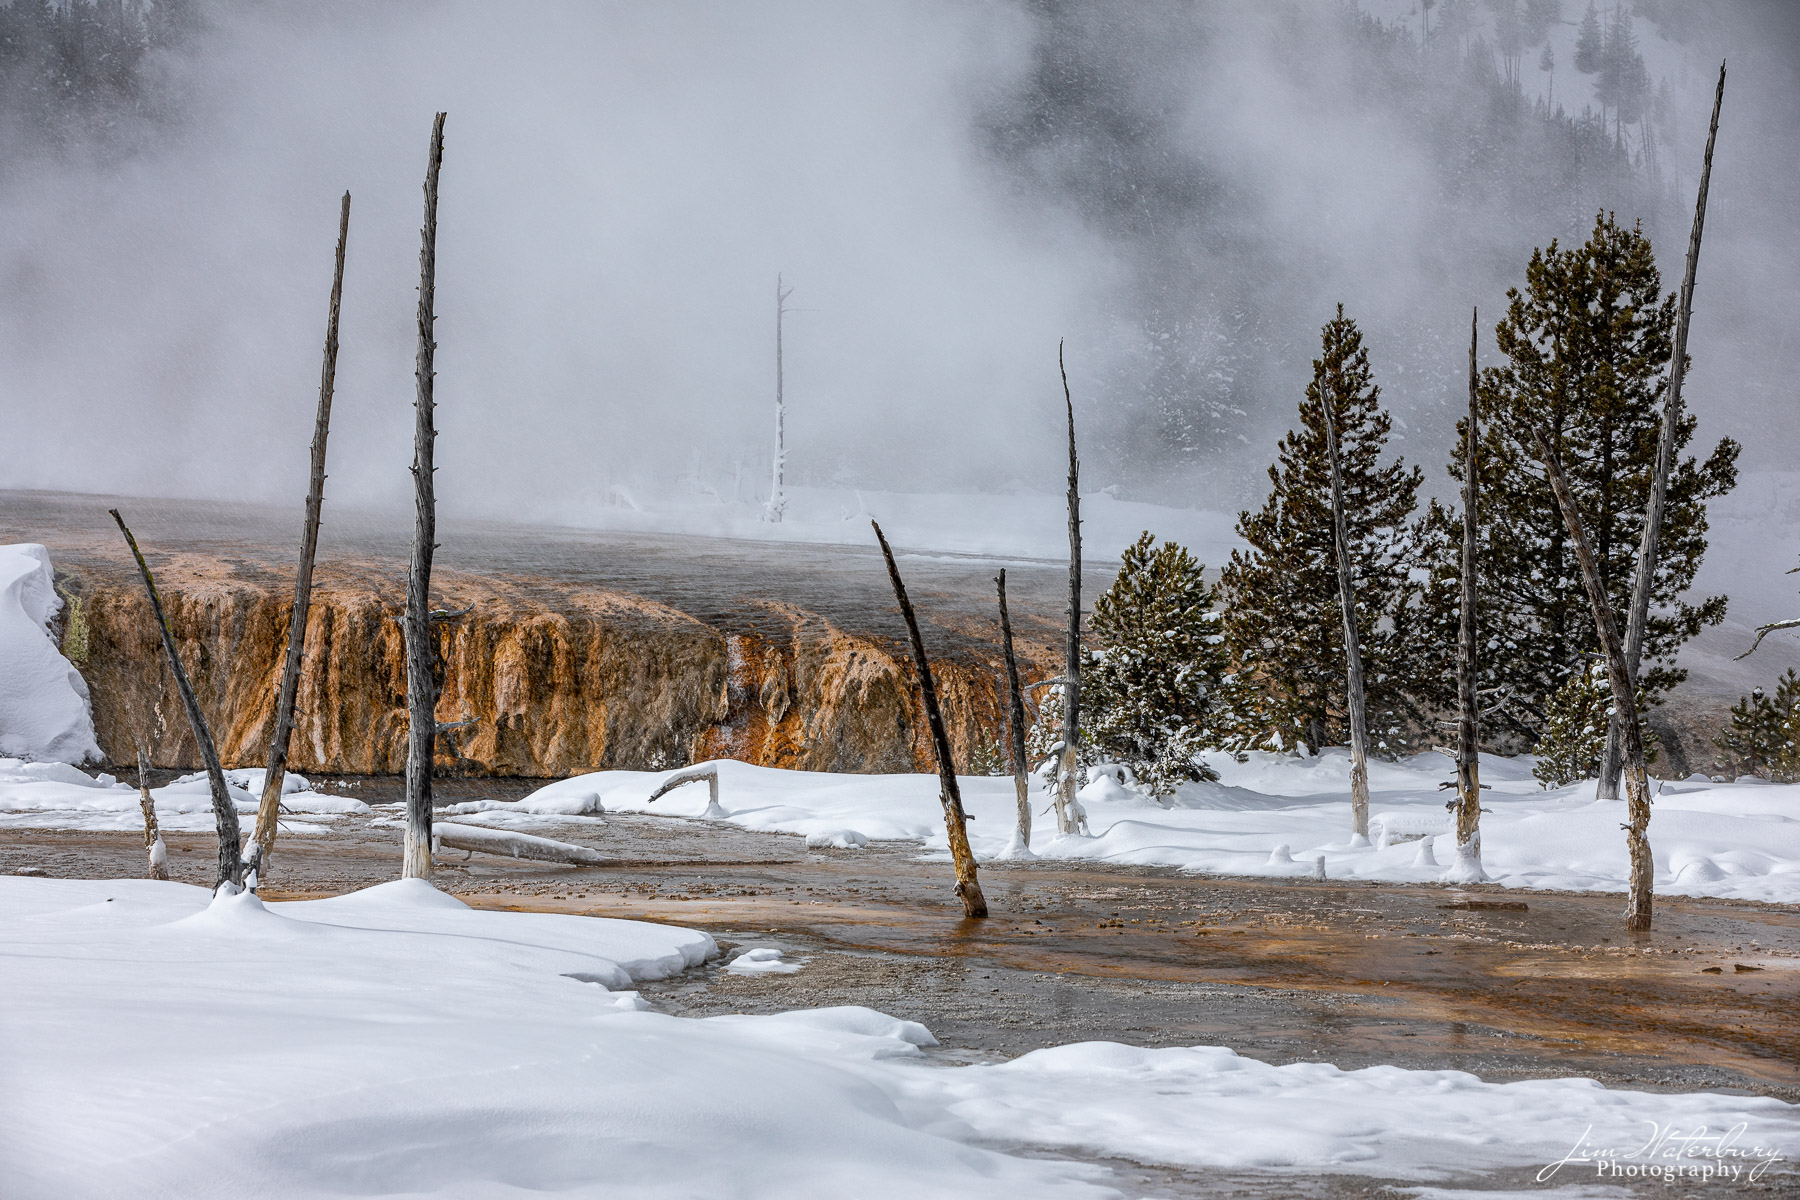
(1182, 193)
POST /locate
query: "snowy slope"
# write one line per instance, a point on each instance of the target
(43, 700)
(1737, 840)
(38, 795)
(393, 1041)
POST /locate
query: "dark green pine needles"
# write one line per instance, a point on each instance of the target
(1282, 620)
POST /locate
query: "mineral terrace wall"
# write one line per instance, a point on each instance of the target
(540, 679)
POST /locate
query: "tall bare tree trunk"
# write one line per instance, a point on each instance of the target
(1618, 673)
(276, 774)
(421, 634)
(1068, 809)
(955, 821)
(1015, 724)
(1645, 575)
(231, 865)
(1468, 723)
(1359, 727)
(157, 853)
(777, 488)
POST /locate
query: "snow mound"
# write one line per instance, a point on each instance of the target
(840, 839)
(761, 960)
(44, 711)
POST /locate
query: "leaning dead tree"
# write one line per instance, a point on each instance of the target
(231, 865)
(1069, 817)
(777, 493)
(955, 820)
(704, 772)
(1645, 575)
(1359, 728)
(1015, 730)
(1618, 674)
(154, 849)
(1468, 715)
(420, 627)
(276, 775)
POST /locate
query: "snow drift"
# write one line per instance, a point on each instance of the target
(44, 711)
(163, 1042)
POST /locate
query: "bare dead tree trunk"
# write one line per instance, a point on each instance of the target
(1618, 673)
(1359, 728)
(421, 632)
(154, 849)
(955, 821)
(777, 489)
(1645, 575)
(231, 865)
(276, 774)
(1015, 723)
(1068, 809)
(1468, 723)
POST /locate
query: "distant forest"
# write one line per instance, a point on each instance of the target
(1228, 299)
(84, 76)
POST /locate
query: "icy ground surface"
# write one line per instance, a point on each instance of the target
(52, 795)
(161, 1042)
(43, 699)
(1277, 816)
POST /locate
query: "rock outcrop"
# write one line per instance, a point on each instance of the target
(541, 678)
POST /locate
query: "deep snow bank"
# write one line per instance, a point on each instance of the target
(1738, 840)
(44, 710)
(160, 1042)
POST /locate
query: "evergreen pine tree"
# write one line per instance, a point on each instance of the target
(1155, 685)
(1587, 343)
(1763, 737)
(1574, 733)
(1283, 623)
(1590, 43)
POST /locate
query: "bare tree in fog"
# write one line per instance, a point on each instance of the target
(276, 774)
(421, 631)
(1649, 543)
(777, 496)
(231, 864)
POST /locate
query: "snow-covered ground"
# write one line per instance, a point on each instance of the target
(160, 1042)
(53, 795)
(1021, 524)
(1276, 815)
(43, 698)
(1272, 816)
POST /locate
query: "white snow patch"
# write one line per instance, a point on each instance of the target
(761, 960)
(40, 795)
(44, 712)
(1734, 840)
(840, 839)
(402, 1043)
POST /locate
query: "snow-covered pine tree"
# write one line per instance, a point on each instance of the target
(1154, 685)
(1574, 732)
(1573, 737)
(1763, 736)
(1587, 341)
(1282, 621)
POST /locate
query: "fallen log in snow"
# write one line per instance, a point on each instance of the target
(706, 771)
(475, 838)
